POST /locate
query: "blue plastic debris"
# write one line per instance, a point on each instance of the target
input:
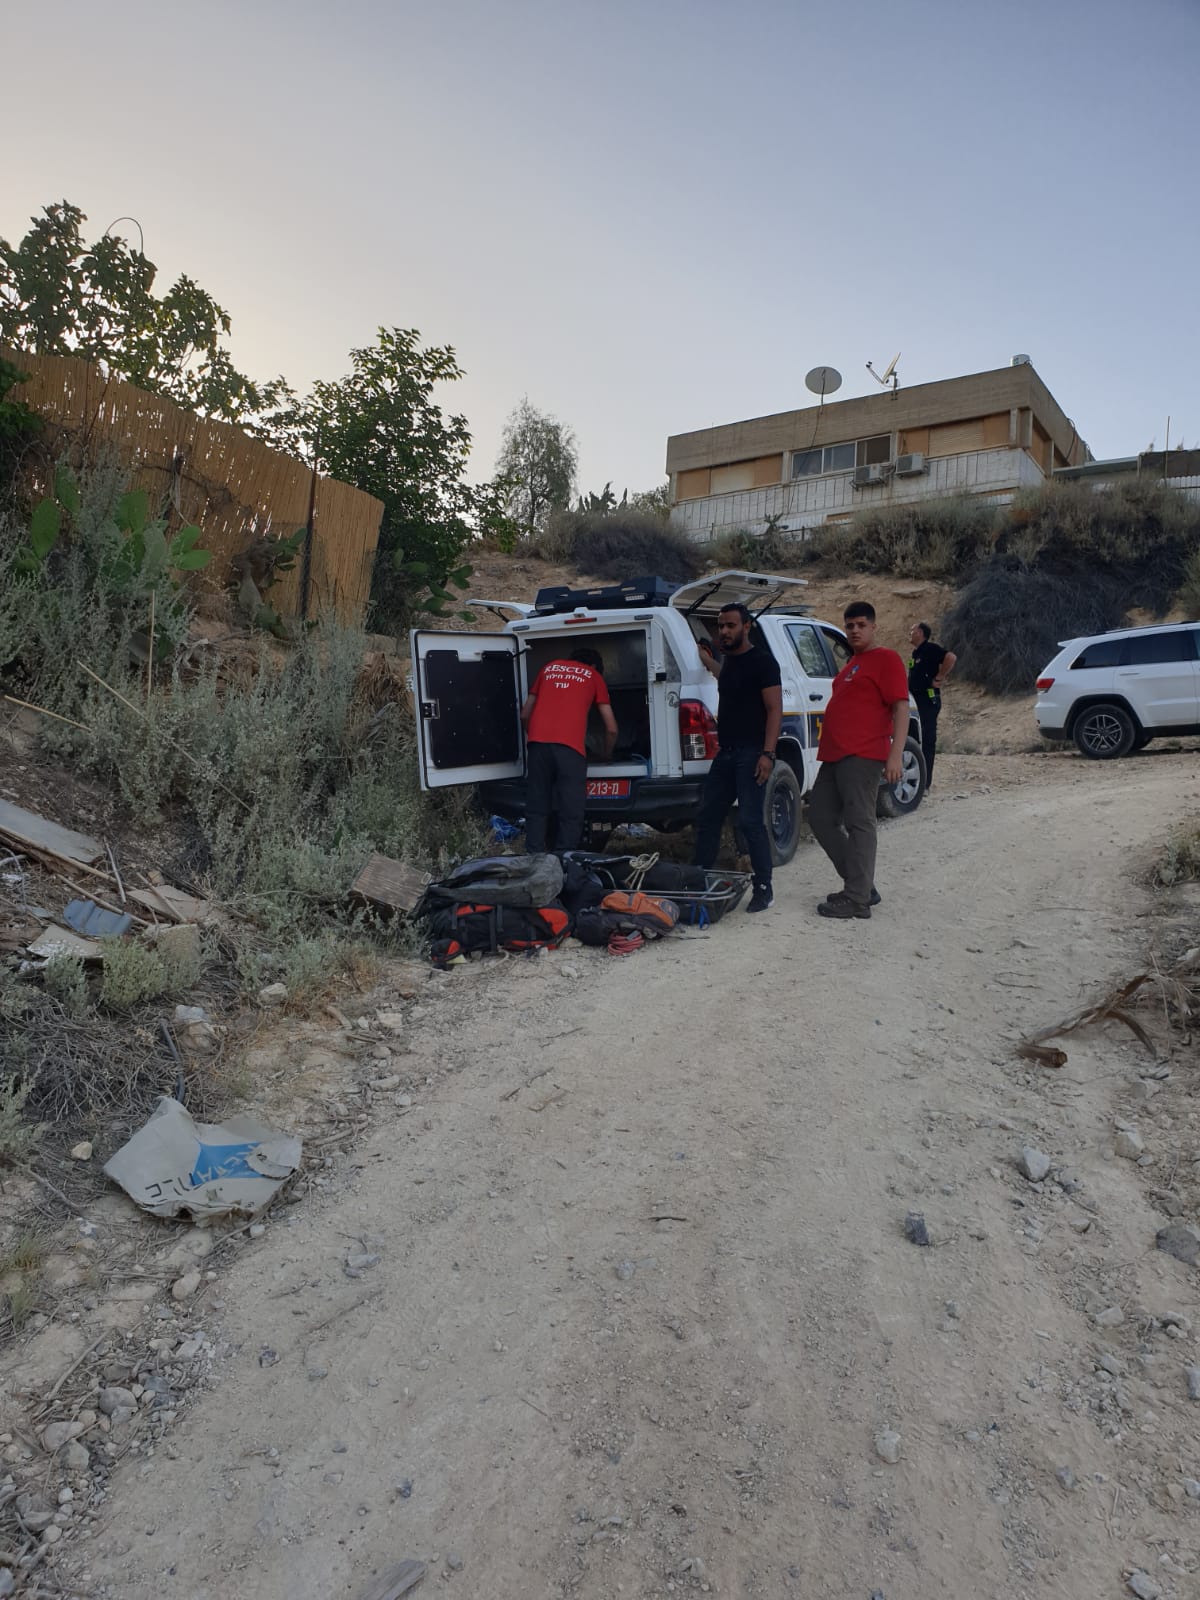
(504, 830)
(91, 920)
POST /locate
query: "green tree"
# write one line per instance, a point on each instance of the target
(654, 502)
(381, 429)
(536, 467)
(61, 296)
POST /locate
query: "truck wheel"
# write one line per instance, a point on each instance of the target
(898, 799)
(1104, 732)
(781, 811)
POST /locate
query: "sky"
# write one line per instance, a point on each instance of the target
(649, 216)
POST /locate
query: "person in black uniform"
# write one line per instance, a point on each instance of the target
(749, 712)
(928, 668)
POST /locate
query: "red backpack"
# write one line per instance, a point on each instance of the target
(463, 929)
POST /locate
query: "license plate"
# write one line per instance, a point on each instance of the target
(607, 788)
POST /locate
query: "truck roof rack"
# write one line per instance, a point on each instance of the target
(634, 595)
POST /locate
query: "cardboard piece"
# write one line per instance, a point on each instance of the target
(58, 941)
(173, 904)
(173, 1164)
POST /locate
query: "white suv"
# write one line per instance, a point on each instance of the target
(1115, 692)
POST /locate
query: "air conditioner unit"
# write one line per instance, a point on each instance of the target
(911, 466)
(864, 477)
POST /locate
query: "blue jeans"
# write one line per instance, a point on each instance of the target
(730, 778)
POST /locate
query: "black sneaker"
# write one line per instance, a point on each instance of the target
(843, 909)
(760, 900)
(840, 894)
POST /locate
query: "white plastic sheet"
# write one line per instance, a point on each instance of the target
(174, 1165)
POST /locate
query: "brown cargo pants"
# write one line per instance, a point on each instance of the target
(841, 814)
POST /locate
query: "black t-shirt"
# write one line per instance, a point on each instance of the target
(924, 666)
(741, 715)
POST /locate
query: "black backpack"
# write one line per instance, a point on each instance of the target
(497, 881)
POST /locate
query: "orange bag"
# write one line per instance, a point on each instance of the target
(645, 913)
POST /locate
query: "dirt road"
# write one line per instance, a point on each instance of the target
(634, 1329)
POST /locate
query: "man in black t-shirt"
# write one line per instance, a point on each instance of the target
(928, 668)
(749, 712)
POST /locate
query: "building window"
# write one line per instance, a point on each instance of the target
(842, 457)
(873, 452)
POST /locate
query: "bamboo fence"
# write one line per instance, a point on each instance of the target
(234, 488)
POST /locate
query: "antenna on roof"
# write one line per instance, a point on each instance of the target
(823, 380)
(890, 376)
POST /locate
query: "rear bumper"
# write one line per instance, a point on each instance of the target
(648, 800)
(1055, 734)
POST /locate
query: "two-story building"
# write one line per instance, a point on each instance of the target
(990, 434)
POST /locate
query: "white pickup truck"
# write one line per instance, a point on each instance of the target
(469, 687)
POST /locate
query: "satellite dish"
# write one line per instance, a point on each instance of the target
(890, 376)
(823, 381)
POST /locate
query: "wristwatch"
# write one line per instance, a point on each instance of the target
(770, 754)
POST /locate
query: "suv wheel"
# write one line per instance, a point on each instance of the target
(781, 809)
(898, 799)
(1104, 732)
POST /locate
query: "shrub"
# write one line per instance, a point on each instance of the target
(14, 1001)
(87, 600)
(630, 546)
(21, 1270)
(1071, 560)
(19, 1138)
(132, 973)
(1188, 594)
(64, 981)
(773, 550)
(1180, 861)
(942, 539)
(1008, 621)
(1139, 531)
(619, 544)
(287, 776)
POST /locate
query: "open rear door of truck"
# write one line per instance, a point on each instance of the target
(468, 701)
(758, 591)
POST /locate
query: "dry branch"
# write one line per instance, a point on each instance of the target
(1114, 1007)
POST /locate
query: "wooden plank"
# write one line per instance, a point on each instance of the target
(389, 883)
(397, 1580)
(26, 827)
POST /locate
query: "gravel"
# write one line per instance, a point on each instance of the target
(1129, 1144)
(1140, 1584)
(1034, 1164)
(1181, 1240)
(915, 1230)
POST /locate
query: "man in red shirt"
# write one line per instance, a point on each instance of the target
(862, 737)
(555, 715)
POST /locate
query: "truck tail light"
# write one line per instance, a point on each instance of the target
(1045, 683)
(697, 731)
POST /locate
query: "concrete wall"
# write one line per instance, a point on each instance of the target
(807, 502)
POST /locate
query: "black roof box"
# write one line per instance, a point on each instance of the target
(638, 592)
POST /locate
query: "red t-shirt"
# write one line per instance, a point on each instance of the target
(858, 718)
(565, 692)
